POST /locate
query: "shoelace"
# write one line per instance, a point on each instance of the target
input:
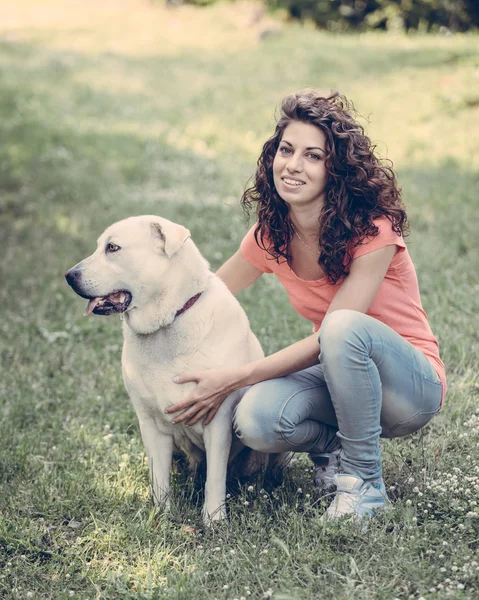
(347, 500)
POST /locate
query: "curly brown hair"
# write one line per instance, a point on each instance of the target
(360, 186)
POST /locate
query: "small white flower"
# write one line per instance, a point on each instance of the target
(300, 491)
(250, 488)
(226, 586)
(246, 503)
(232, 551)
(460, 586)
(408, 502)
(217, 549)
(29, 594)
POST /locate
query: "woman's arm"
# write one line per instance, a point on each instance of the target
(356, 292)
(238, 273)
(366, 274)
(215, 385)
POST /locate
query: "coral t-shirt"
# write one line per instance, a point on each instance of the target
(397, 302)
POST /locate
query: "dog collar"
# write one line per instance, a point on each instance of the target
(188, 305)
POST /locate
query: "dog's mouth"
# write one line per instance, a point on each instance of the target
(113, 304)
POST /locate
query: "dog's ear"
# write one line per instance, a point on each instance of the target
(172, 235)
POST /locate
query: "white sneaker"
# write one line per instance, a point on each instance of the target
(358, 498)
(326, 466)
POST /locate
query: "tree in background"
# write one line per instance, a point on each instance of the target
(424, 15)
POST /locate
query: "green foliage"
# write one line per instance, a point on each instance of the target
(423, 15)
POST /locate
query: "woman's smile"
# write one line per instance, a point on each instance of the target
(290, 182)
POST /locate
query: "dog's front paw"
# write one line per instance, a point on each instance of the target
(214, 516)
(161, 499)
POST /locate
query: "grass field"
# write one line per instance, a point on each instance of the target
(114, 109)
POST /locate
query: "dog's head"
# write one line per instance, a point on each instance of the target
(131, 258)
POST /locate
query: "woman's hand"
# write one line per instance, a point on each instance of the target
(204, 402)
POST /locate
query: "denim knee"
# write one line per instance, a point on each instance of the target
(341, 328)
(253, 426)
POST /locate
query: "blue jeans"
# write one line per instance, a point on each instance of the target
(370, 382)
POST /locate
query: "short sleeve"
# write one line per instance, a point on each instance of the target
(253, 253)
(386, 237)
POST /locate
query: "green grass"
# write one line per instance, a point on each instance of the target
(111, 110)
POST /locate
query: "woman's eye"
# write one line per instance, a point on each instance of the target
(112, 247)
(315, 156)
(285, 150)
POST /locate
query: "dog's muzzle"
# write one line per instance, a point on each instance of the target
(112, 304)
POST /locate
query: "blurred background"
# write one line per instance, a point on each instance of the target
(115, 108)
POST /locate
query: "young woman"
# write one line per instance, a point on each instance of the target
(330, 226)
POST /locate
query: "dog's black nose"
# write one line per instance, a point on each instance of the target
(72, 276)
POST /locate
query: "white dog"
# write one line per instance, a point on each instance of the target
(178, 316)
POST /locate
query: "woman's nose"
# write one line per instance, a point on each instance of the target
(294, 163)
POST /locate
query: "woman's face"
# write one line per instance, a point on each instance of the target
(299, 169)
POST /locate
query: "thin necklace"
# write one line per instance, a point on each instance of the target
(303, 242)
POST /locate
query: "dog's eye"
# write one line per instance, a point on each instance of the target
(112, 248)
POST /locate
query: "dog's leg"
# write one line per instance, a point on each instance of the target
(159, 449)
(218, 436)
